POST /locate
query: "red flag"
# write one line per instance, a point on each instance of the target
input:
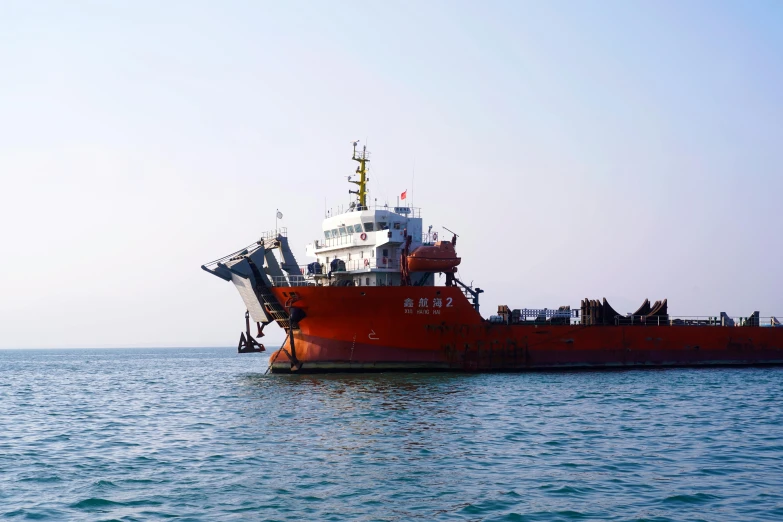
(404, 194)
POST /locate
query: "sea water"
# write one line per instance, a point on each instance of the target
(203, 434)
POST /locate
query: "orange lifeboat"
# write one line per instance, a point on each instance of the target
(440, 257)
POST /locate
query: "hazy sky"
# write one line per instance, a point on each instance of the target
(582, 149)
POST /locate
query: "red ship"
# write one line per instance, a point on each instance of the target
(369, 302)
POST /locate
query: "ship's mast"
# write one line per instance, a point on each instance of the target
(362, 157)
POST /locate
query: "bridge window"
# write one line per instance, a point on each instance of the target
(382, 225)
(334, 233)
(342, 231)
(357, 228)
(326, 234)
(396, 226)
(368, 227)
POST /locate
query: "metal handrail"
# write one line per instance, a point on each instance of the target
(364, 265)
(248, 248)
(694, 320)
(346, 240)
(291, 281)
(430, 238)
(545, 312)
(274, 234)
(415, 211)
(349, 240)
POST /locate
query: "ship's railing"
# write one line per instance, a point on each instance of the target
(430, 238)
(375, 263)
(274, 234)
(517, 315)
(697, 320)
(403, 210)
(354, 240)
(346, 240)
(291, 281)
(546, 313)
(241, 252)
(411, 212)
(361, 265)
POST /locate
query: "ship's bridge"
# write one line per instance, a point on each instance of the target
(362, 246)
(372, 226)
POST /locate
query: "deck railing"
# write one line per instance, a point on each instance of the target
(544, 315)
(361, 265)
(291, 281)
(697, 320)
(274, 234)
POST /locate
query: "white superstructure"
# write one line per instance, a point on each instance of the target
(362, 247)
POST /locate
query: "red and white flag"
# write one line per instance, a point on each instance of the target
(404, 194)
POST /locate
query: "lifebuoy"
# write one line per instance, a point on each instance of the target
(366, 262)
(363, 236)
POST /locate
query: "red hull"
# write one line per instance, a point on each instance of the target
(436, 328)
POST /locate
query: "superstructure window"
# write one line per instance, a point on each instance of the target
(396, 226)
(382, 225)
(326, 234)
(368, 227)
(349, 229)
(342, 231)
(357, 228)
(334, 233)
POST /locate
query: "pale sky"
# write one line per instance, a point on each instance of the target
(626, 150)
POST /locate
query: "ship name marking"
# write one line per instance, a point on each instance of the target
(423, 304)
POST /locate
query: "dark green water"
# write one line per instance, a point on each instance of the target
(201, 434)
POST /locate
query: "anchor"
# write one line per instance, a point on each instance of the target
(248, 344)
